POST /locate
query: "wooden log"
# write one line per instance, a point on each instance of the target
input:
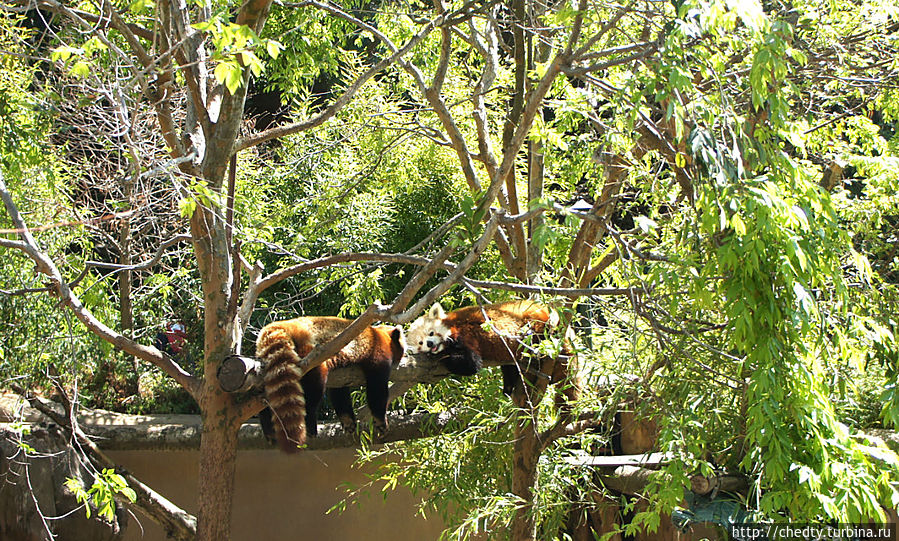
(238, 373)
(630, 480)
(703, 485)
(643, 460)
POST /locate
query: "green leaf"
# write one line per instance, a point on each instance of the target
(140, 5)
(737, 223)
(234, 79)
(204, 26)
(62, 53)
(187, 207)
(221, 72)
(273, 48)
(81, 69)
(252, 61)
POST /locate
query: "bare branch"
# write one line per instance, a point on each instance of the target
(446, 43)
(146, 264)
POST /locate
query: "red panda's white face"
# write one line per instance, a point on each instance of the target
(428, 333)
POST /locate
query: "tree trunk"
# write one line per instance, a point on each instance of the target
(526, 452)
(218, 452)
(218, 444)
(126, 307)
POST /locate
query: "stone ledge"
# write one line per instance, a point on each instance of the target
(118, 431)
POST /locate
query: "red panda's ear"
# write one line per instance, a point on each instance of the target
(397, 334)
(436, 311)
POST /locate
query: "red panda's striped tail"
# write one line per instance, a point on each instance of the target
(283, 391)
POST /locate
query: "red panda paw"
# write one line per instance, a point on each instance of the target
(348, 423)
(380, 427)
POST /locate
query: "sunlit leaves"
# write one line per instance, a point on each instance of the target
(138, 6)
(229, 73)
(235, 47)
(79, 59)
(101, 495)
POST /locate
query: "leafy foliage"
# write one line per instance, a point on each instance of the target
(102, 493)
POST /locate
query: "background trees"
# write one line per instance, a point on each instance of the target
(705, 190)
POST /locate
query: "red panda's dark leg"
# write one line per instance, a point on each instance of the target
(343, 405)
(459, 359)
(511, 378)
(313, 383)
(267, 424)
(377, 380)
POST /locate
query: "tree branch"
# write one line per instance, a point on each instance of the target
(340, 102)
(561, 429)
(174, 520)
(146, 264)
(446, 43)
(59, 9)
(61, 288)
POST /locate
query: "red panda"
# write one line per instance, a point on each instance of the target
(294, 398)
(489, 335)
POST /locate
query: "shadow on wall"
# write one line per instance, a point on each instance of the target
(281, 497)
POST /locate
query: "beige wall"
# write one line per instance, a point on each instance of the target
(280, 497)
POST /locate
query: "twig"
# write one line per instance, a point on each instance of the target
(172, 518)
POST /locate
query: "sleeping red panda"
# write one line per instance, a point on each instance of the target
(294, 398)
(465, 342)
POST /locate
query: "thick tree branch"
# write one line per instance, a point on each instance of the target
(488, 47)
(591, 230)
(241, 374)
(446, 44)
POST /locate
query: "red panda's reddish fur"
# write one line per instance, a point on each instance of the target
(496, 332)
(499, 341)
(282, 344)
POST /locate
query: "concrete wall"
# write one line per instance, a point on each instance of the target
(280, 497)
